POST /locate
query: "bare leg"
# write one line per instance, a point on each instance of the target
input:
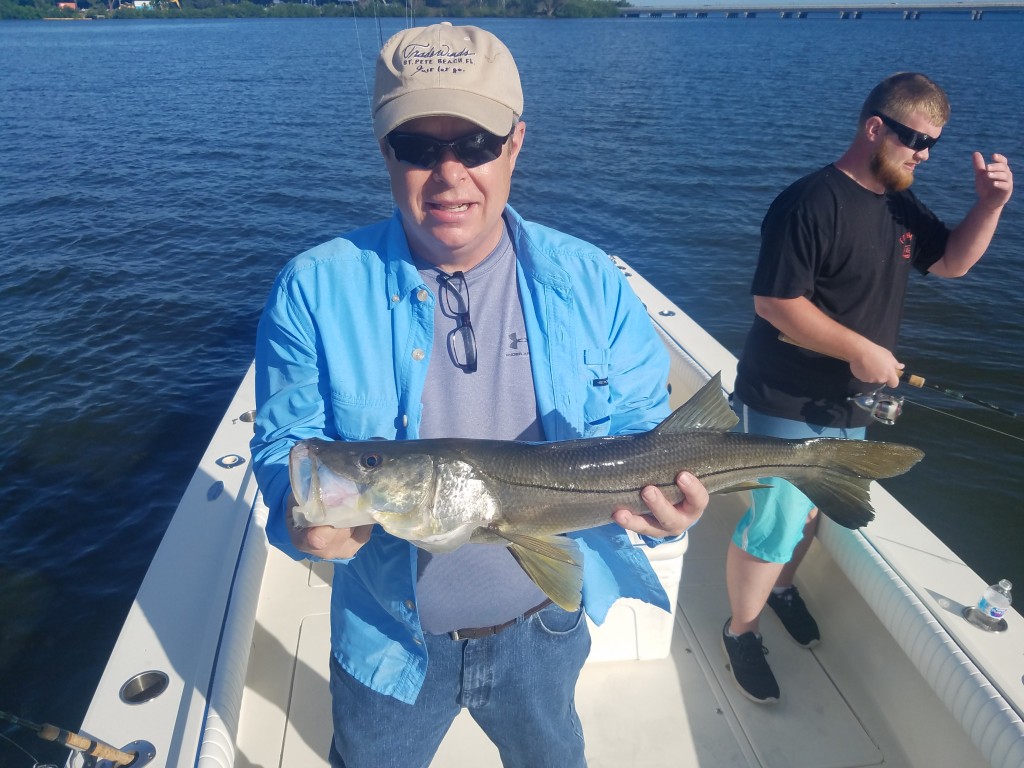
(749, 580)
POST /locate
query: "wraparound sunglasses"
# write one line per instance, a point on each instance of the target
(908, 137)
(425, 151)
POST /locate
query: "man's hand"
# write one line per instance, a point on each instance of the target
(993, 181)
(875, 364)
(324, 541)
(666, 519)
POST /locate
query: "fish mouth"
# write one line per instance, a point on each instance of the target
(323, 497)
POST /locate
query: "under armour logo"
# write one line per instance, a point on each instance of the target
(514, 341)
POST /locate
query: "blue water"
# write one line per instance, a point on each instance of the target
(154, 176)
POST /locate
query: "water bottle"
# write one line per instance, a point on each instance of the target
(988, 613)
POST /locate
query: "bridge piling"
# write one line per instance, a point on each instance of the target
(847, 9)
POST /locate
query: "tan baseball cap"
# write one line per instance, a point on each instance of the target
(443, 70)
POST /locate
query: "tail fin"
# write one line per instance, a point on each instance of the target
(838, 479)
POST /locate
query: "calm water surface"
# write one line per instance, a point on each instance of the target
(154, 176)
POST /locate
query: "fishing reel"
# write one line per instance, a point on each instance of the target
(883, 406)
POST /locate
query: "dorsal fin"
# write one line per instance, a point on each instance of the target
(708, 409)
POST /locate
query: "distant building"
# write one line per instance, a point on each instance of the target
(70, 5)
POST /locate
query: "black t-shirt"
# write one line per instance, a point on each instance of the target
(849, 251)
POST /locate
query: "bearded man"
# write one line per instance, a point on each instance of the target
(836, 252)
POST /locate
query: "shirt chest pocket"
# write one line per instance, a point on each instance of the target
(597, 405)
(363, 419)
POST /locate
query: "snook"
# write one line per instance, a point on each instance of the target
(441, 493)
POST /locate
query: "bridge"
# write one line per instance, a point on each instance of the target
(790, 10)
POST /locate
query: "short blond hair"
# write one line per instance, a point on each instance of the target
(899, 96)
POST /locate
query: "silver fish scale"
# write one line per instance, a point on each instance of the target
(557, 487)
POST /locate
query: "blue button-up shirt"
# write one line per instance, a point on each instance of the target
(342, 352)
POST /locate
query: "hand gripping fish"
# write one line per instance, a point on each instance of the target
(441, 493)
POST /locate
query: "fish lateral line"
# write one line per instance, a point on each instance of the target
(762, 470)
(562, 489)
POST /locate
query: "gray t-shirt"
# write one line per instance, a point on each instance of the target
(478, 585)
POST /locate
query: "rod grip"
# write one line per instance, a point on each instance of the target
(84, 745)
(913, 380)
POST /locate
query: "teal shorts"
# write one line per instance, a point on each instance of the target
(774, 524)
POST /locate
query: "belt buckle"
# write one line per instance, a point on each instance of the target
(475, 633)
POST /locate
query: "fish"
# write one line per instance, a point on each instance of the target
(441, 493)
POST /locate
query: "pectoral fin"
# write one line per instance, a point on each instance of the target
(553, 562)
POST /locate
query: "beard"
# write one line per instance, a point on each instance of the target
(889, 172)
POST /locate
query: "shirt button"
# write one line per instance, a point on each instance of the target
(410, 604)
(418, 354)
(405, 420)
(396, 298)
(422, 294)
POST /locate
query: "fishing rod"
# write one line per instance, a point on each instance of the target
(115, 757)
(885, 407)
(915, 380)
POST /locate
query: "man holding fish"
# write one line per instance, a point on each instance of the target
(457, 319)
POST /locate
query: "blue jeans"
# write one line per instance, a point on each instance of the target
(774, 524)
(518, 685)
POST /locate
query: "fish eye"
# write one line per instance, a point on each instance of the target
(371, 460)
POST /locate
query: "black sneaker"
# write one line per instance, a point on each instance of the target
(793, 614)
(748, 666)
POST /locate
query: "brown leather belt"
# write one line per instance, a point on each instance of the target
(476, 633)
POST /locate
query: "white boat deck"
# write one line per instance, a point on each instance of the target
(683, 710)
(900, 679)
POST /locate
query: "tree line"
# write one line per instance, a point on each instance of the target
(175, 9)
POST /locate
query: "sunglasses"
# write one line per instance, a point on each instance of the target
(426, 152)
(908, 137)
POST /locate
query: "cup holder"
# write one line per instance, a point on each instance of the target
(144, 687)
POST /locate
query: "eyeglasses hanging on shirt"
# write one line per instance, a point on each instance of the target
(462, 338)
